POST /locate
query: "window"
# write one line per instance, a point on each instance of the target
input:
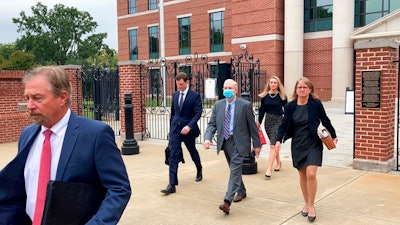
(318, 15)
(217, 32)
(133, 44)
(153, 42)
(132, 6)
(153, 4)
(184, 36)
(367, 11)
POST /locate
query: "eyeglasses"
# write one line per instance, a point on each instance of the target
(302, 87)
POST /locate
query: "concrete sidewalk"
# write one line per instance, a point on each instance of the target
(344, 196)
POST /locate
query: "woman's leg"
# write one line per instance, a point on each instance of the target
(278, 161)
(271, 159)
(311, 188)
(303, 186)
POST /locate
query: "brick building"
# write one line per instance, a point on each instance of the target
(292, 38)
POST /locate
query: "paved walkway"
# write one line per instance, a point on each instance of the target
(345, 195)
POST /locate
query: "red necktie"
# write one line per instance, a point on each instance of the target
(44, 177)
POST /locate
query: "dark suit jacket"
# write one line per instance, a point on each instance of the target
(244, 126)
(316, 115)
(89, 155)
(189, 115)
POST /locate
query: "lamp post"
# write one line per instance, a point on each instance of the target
(129, 146)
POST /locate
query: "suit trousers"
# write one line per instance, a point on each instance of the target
(176, 139)
(235, 162)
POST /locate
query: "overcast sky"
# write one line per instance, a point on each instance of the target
(104, 12)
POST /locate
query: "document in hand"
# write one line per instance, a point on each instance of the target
(71, 203)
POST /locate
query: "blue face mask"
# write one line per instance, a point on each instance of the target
(228, 93)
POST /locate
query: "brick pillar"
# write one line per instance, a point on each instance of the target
(375, 106)
(71, 71)
(129, 79)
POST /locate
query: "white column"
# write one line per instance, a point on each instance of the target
(342, 48)
(162, 50)
(294, 49)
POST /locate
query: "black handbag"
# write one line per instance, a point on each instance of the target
(168, 154)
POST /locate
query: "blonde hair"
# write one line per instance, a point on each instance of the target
(281, 90)
(306, 81)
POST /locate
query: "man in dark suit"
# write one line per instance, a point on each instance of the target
(82, 150)
(232, 118)
(186, 110)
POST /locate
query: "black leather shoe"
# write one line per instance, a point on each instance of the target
(199, 175)
(169, 190)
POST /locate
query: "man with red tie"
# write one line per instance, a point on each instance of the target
(74, 149)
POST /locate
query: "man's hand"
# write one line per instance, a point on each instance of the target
(257, 151)
(185, 130)
(206, 144)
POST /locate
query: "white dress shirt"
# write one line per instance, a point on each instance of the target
(31, 171)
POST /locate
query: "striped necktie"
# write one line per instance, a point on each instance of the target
(227, 122)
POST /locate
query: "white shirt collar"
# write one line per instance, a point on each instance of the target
(60, 124)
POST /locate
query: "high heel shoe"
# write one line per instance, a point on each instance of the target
(303, 212)
(312, 218)
(279, 168)
(268, 175)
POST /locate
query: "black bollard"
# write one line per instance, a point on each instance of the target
(249, 165)
(129, 146)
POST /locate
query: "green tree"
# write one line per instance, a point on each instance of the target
(2, 60)
(106, 58)
(19, 60)
(7, 49)
(59, 34)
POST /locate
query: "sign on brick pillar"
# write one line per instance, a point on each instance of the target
(129, 79)
(375, 94)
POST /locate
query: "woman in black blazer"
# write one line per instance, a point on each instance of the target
(301, 120)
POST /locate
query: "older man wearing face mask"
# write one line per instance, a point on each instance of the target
(233, 119)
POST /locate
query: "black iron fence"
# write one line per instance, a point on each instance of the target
(99, 97)
(157, 78)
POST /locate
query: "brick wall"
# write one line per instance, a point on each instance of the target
(11, 93)
(242, 19)
(374, 127)
(318, 65)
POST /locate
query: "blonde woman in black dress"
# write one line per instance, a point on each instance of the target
(301, 119)
(273, 99)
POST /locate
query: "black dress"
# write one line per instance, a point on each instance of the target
(272, 108)
(305, 150)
